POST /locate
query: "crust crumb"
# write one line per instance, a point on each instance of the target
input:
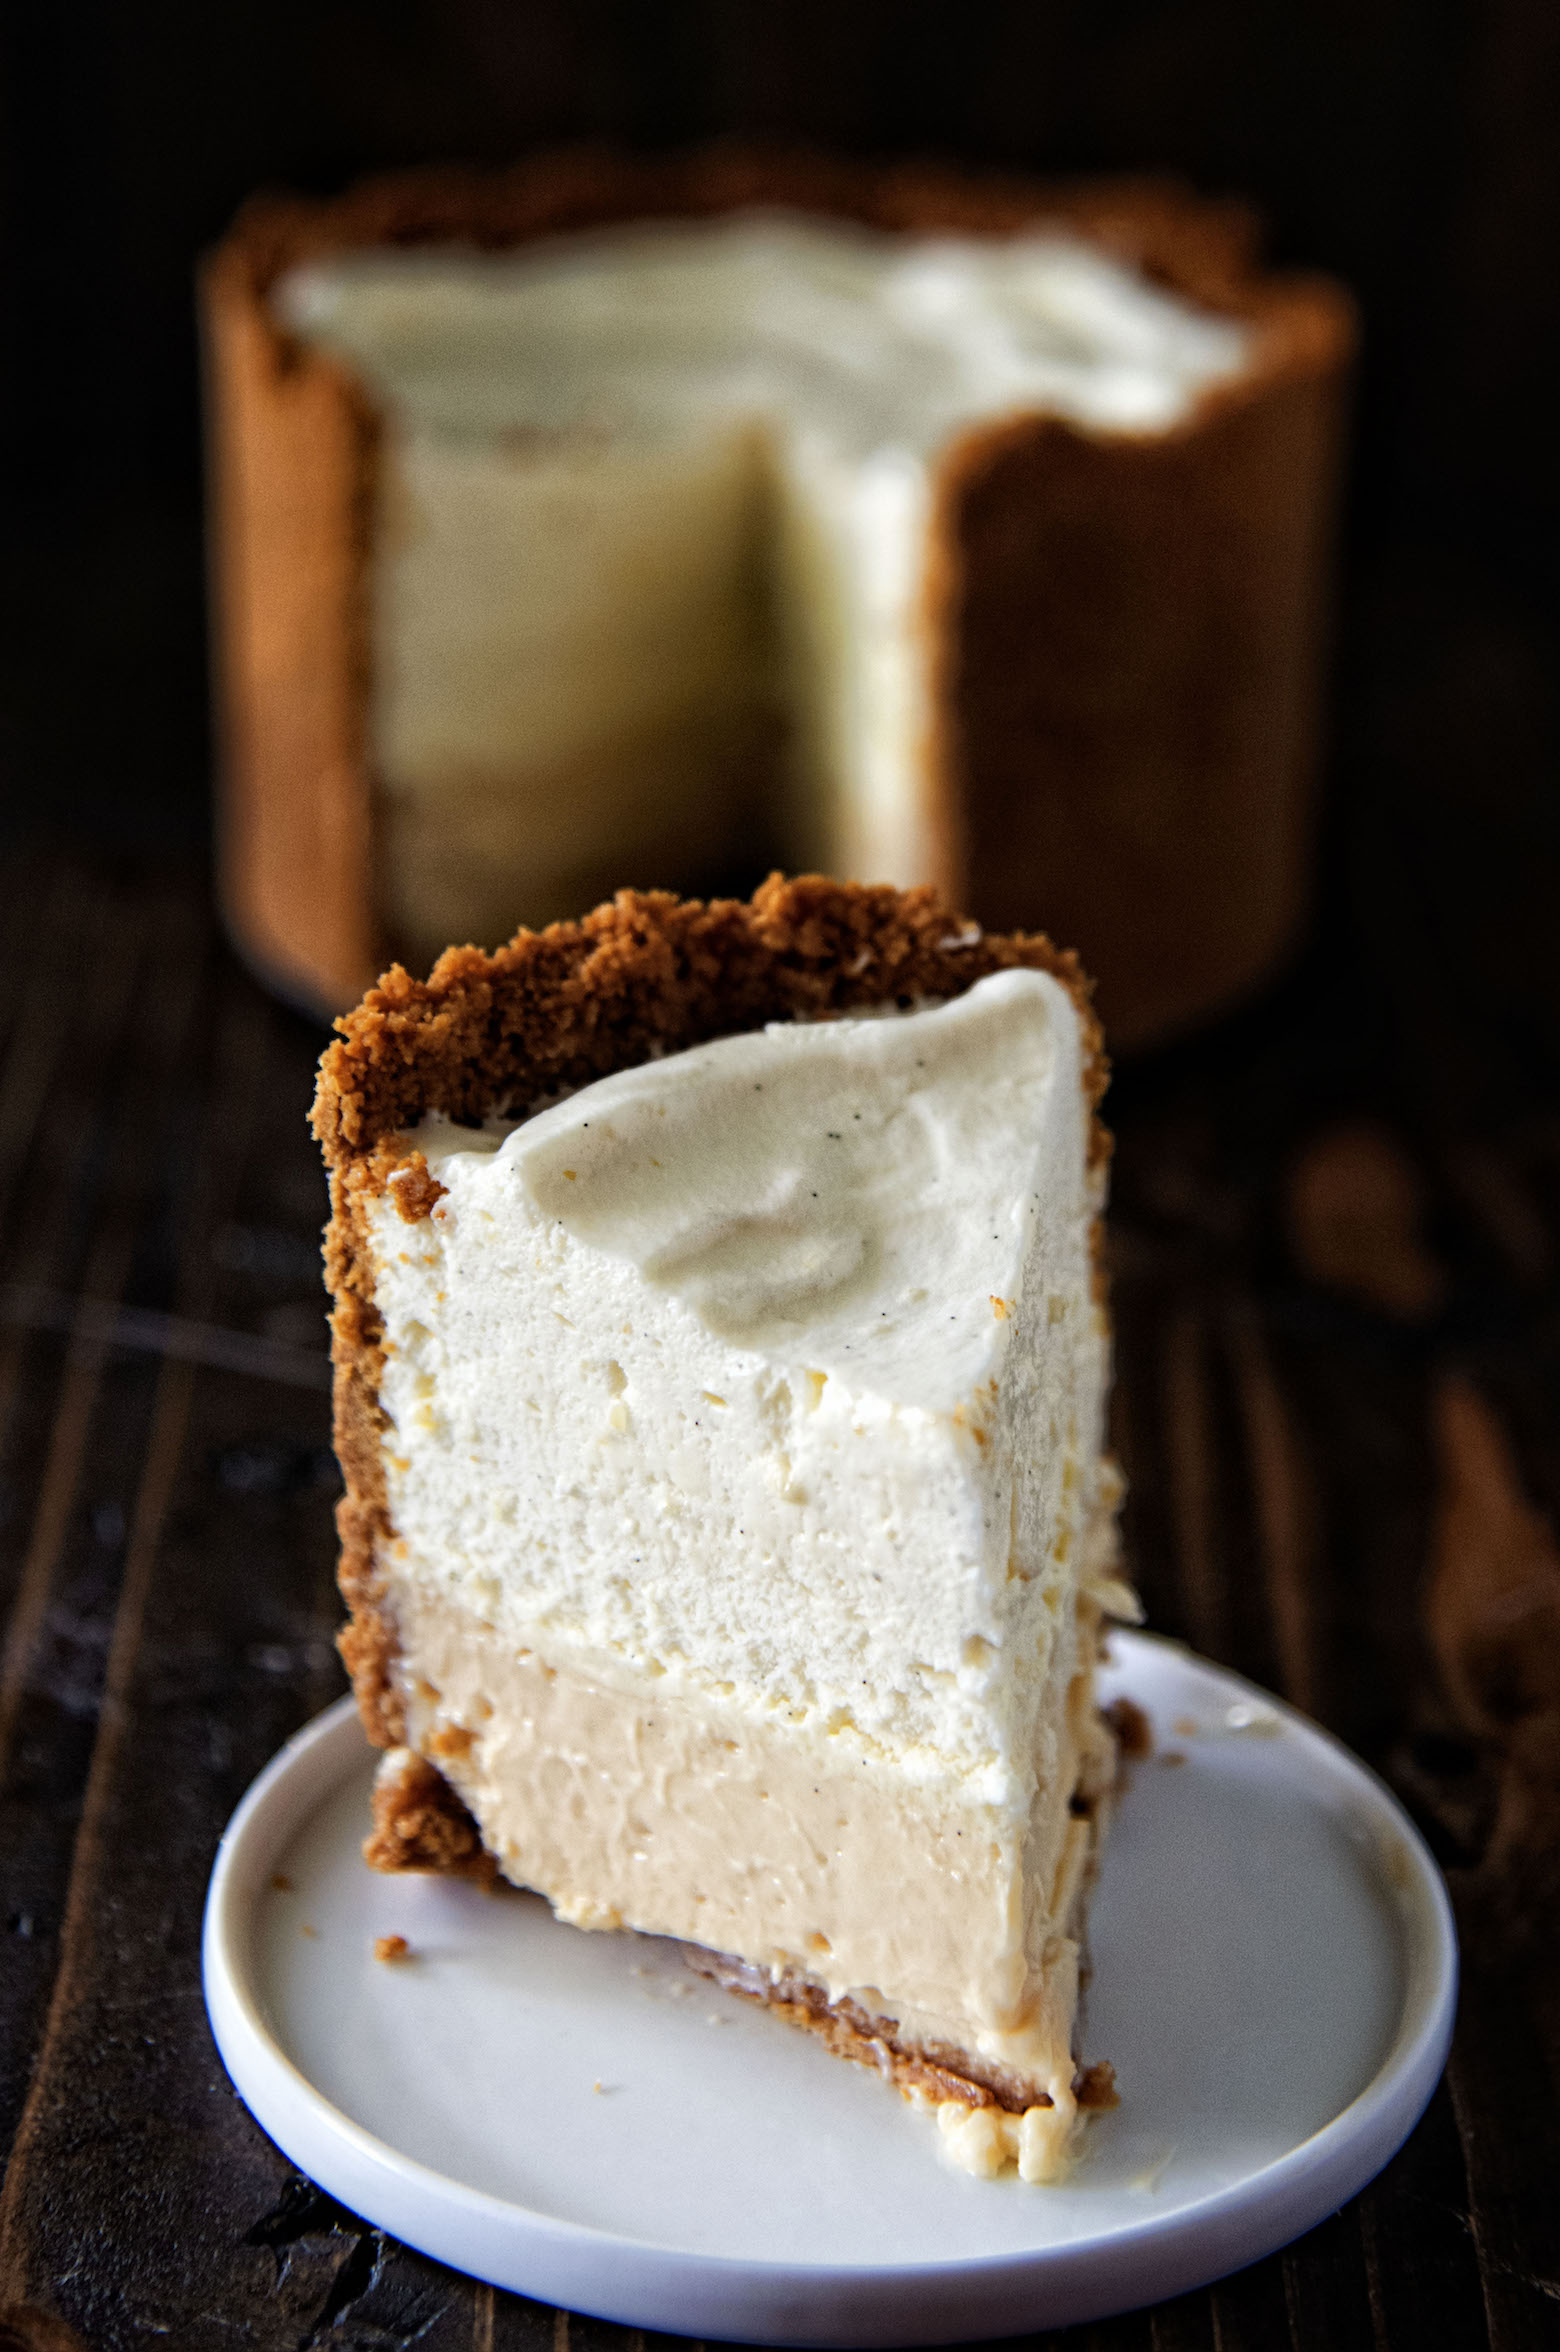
(1096, 2089)
(421, 1824)
(1133, 1730)
(415, 1189)
(392, 1948)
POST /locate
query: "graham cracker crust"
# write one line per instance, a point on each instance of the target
(1126, 628)
(933, 2073)
(421, 1824)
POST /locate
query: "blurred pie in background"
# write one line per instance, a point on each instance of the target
(616, 521)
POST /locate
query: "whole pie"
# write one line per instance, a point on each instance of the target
(662, 521)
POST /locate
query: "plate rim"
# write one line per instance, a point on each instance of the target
(644, 2283)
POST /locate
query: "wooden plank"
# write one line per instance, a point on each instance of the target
(221, 1645)
(1503, 2092)
(77, 1421)
(1283, 1511)
(1421, 2267)
(1183, 2325)
(1326, 2291)
(55, 1724)
(143, 1062)
(1250, 2310)
(1147, 1537)
(1193, 1472)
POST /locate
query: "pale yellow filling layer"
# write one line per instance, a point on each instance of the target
(883, 1880)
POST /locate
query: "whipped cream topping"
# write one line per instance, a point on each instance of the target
(868, 338)
(856, 1198)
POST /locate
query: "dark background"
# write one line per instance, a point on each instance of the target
(1335, 1231)
(1410, 145)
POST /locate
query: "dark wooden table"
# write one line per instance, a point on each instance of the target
(1339, 1330)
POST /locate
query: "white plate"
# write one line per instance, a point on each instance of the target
(578, 2117)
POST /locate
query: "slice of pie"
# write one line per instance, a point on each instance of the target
(663, 521)
(721, 1368)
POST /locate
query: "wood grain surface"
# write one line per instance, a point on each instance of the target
(1337, 1338)
(1336, 1231)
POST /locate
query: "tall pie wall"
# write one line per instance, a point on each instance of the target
(1135, 633)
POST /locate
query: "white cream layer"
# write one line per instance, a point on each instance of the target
(646, 492)
(809, 1413)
